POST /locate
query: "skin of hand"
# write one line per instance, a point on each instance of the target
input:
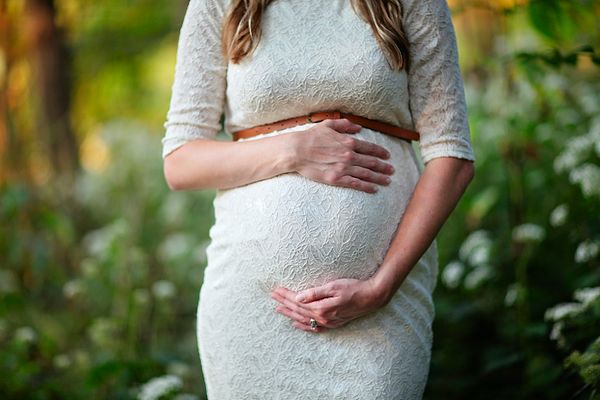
(325, 152)
(324, 155)
(338, 302)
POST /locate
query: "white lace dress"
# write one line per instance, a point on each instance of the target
(291, 231)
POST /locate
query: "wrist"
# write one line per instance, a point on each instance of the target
(287, 154)
(383, 287)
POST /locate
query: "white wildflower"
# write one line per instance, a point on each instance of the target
(174, 208)
(576, 151)
(589, 104)
(476, 248)
(477, 276)
(164, 289)
(72, 288)
(565, 161)
(587, 250)
(98, 242)
(452, 274)
(588, 178)
(556, 332)
(160, 386)
(61, 361)
(587, 295)
(512, 293)
(25, 334)
(594, 133)
(176, 245)
(559, 215)
(528, 233)
(481, 255)
(562, 310)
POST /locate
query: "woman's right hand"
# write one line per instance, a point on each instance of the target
(325, 154)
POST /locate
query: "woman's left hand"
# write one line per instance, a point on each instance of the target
(331, 305)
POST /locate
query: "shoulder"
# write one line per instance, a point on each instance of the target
(428, 21)
(432, 8)
(212, 8)
(219, 7)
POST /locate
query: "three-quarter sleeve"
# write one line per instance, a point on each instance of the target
(436, 90)
(198, 90)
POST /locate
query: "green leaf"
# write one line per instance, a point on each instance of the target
(552, 19)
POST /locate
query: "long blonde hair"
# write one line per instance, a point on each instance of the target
(242, 28)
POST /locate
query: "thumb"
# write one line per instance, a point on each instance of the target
(312, 294)
(342, 125)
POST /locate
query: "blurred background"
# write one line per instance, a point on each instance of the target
(100, 264)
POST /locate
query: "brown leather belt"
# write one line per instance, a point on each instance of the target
(379, 126)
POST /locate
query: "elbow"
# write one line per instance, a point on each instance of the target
(177, 177)
(182, 171)
(467, 172)
(172, 177)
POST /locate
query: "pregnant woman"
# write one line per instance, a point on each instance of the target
(322, 258)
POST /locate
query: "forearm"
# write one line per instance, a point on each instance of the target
(203, 164)
(436, 194)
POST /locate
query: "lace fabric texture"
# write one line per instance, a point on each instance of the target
(294, 232)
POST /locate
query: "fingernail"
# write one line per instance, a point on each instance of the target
(300, 297)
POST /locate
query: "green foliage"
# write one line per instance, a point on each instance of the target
(562, 21)
(575, 329)
(524, 238)
(587, 364)
(556, 58)
(570, 29)
(101, 294)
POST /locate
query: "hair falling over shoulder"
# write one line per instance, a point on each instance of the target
(242, 28)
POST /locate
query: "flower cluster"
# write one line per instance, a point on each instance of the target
(562, 313)
(473, 266)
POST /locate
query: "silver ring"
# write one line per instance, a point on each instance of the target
(313, 324)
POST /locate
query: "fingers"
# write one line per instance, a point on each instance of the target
(292, 306)
(303, 320)
(369, 175)
(342, 125)
(299, 321)
(364, 147)
(353, 163)
(313, 294)
(356, 183)
(361, 178)
(302, 312)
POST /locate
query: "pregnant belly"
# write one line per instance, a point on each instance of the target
(292, 231)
